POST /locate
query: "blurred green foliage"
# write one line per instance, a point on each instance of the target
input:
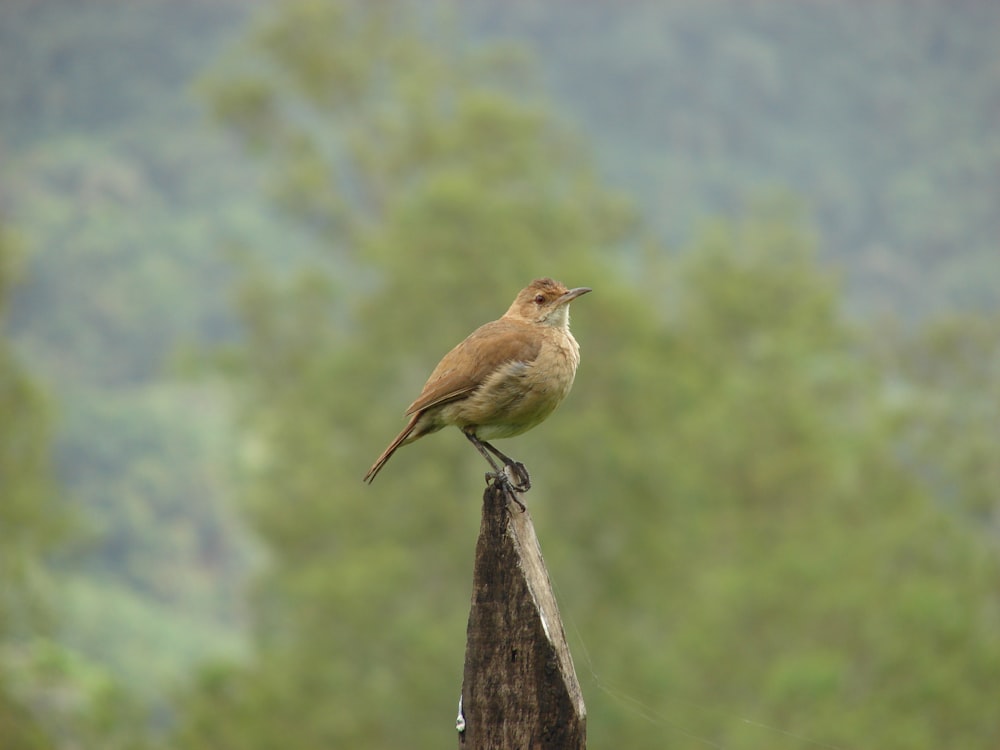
(30, 526)
(880, 116)
(123, 267)
(720, 499)
(50, 695)
(769, 527)
(29, 519)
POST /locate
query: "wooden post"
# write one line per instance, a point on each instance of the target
(519, 688)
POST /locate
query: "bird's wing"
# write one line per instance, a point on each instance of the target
(465, 367)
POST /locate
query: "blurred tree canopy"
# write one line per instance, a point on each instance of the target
(880, 116)
(738, 544)
(769, 527)
(29, 523)
(30, 526)
(50, 696)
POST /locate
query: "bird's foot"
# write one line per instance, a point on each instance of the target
(503, 481)
(518, 476)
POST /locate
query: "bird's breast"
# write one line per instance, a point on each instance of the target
(518, 395)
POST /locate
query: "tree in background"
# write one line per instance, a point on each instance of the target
(945, 377)
(50, 697)
(29, 524)
(425, 173)
(729, 528)
(780, 563)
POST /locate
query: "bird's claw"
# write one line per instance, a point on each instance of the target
(506, 485)
(518, 476)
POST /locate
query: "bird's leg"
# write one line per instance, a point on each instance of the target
(498, 474)
(522, 482)
(482, 448)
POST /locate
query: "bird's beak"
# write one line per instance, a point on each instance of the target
(572, 294)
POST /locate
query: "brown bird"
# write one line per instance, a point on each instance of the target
(505, 378)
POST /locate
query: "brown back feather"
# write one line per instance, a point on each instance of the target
(483, 351)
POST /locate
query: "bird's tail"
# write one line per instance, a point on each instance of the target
(387, 453)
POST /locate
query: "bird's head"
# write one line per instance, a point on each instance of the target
(546, 302)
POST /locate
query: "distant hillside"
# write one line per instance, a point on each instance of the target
(881, 117)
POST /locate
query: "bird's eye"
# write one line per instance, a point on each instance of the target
(539, 299)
